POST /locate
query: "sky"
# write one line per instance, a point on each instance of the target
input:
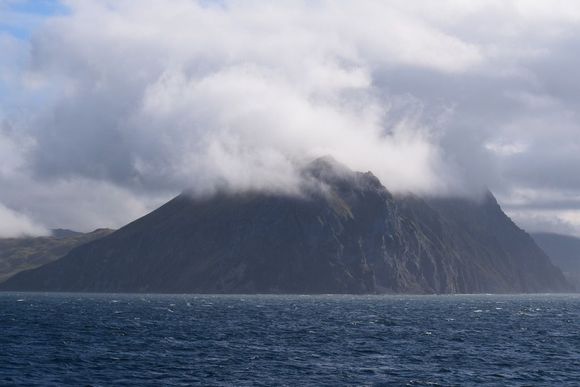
(109, 108)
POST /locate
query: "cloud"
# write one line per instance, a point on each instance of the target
(559, 222)
(205, 96)
(544, 209)
(14, 225)
(134, 101)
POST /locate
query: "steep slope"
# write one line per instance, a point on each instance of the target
(348, 234)
(564, 251)
(18, 254)
(508, 259)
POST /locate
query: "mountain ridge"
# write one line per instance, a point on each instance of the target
(352, 236)
(19, 254)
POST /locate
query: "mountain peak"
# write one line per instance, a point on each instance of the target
(326, 166)
(355, 238)
(329, 171)
(348, 234)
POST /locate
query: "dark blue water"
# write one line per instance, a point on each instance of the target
(163, 340)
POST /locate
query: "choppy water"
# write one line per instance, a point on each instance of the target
(73, 339)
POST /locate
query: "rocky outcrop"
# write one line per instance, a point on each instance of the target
(346, 234)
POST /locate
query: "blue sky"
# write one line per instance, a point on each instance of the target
(18, 21)
(19, 18)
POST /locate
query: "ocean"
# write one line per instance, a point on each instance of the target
(259, 340)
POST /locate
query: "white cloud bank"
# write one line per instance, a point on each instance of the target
(183, 94)
(14, 225)
(141, 99)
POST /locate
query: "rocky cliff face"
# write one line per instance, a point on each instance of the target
(348, 234)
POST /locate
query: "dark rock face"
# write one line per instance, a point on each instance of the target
(351, 236)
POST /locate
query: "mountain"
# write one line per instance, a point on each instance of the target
(61, 233)
(18, 254)
(346, 234)
(564, 250)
